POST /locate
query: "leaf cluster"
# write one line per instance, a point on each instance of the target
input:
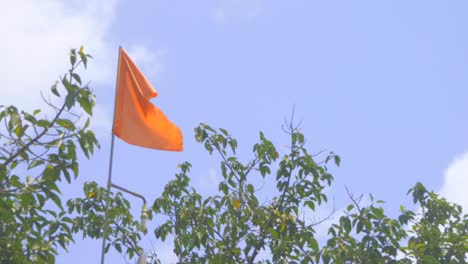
(233, 226)
(40, 150)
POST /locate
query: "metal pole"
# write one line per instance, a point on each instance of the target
(109, 178)
(129, 192)
(106, 210)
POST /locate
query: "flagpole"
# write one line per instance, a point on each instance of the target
(109, 177)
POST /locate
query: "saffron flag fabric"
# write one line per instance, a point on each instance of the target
(137, 121)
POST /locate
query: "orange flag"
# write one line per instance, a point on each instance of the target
(137, 121)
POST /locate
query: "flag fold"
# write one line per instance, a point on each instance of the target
(137, 121)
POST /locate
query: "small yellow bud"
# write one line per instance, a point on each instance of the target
(81, 50)
(91, 194)
(236, 204)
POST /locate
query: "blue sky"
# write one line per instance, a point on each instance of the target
(381, 83)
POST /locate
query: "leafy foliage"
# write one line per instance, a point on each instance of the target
(441, 233)
(366, 234)
(37, 152)
(233, 226)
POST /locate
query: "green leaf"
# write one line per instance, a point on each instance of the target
(53, 89)
(27, 199)
(233, 145)
(35, 163)
(76, 77)
(84, 59)
(378, 212)
(29, 118)
(73, 57)
(66, 124)
(84, 144)
(15, 181)
(250, 188)
(86, 105)
(13, 164)
(359, 227)
(273, 233)
(208, 147)
(70, 100)
(88, 121)
(427, 259)
(346, 224)
(313, 244)
(56, 199)
(118, 247)
(224, 131)
(337, 160)
(43, 123)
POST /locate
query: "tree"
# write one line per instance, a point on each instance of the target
(235, 227)
(439, 234)
(36, 153)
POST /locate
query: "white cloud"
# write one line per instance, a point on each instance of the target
(38, 35)
(453, 188)
(228, 10)
(456, 181)
(150, 62)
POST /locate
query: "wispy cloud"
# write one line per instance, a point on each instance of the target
(456, 181)
(150, 62)
(38, 36)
